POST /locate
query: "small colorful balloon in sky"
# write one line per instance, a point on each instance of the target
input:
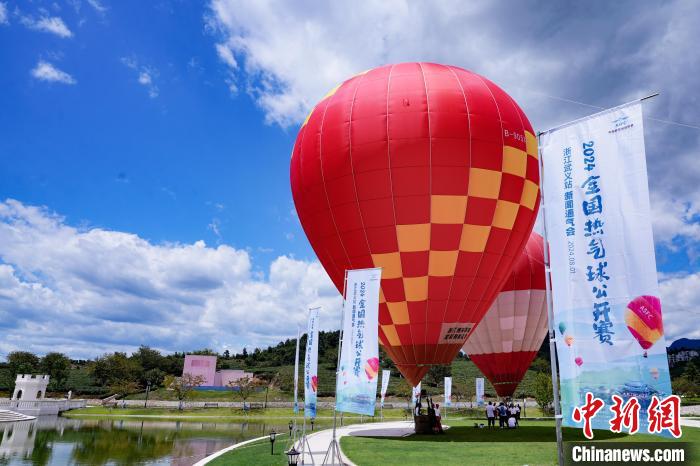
(569, 340)
(562, 327)
(578, 361)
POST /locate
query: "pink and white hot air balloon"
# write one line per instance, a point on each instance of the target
(507, 339)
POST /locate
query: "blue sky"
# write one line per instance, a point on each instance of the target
(181, 165)
(144, 149)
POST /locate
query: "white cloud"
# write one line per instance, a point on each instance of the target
(680, 299)
(45, 71)
(287, 55)
(145, 79)
(294, 54)
(109, 290)
(215, 227)
(53, 25)
(98, 6)
(145, 75)
(3, 13)
(226, 55)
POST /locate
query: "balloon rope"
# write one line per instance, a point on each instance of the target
(668, 122)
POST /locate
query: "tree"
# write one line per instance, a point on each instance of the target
(458, 394)
(154, 377)
(285, 379)
(691, 372)
(148, 358)
(227, 354)
(436, 375)
(22, 362)
(543, 391)
(57, 366)
(405, 391)
(683, 386)
(114, 368)
(122, 388)
(183, 386)
(541, 365)
(244, 387)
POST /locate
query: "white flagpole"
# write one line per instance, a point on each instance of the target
(296, 385)
(334, 448)
(550, 317)
(550, 307)
(304, 442)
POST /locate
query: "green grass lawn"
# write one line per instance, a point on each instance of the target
(256, 453)
(323, 417)
(532, 443)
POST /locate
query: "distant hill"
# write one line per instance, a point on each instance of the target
(685, 343)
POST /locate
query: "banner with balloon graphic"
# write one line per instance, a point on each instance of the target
(448, 391)
(356, 384)
(386, 374)
(311, 364)
(607, 314)
(479, 383)
(415, 393)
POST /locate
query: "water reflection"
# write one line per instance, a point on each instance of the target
(60, 441)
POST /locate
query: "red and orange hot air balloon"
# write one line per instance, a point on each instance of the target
(429, 172)
(644, 320)
(507, 339)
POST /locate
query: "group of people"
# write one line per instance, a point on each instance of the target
(508, 415)
(433, 413)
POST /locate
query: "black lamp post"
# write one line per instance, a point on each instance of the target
(293, 457)
(291, 426)
(312, 423)
(273, 434)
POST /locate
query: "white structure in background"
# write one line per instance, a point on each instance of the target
(29, 398)
(683, 355)
(30, 387)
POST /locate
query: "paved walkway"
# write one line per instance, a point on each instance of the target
(319, 441)
(690, 422)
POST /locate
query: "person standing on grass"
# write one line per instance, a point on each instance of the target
(502, 415)
(491, 415)
(512, 414)
(517, 414)
(438, 424)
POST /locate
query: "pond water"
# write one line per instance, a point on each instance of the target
(58, 441)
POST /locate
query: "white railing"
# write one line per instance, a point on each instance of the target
(42, 405)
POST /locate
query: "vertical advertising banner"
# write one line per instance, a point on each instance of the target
(416, 393)
(356, 386)
(385, 385)
(311, 364)
(448, 391)
(607, 311)
(479, 391)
